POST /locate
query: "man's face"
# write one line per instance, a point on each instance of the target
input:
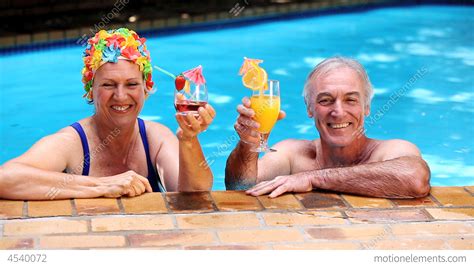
(338, 106)
(118, 92)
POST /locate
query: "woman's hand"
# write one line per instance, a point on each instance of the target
(190, 126)
(128, 184)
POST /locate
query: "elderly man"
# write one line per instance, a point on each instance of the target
(337, 94)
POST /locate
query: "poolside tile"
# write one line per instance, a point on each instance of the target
(470, 189)
(87, 31)
(303, 218)
(189, 202)
(284, 202)
(339, 245)
(235, 201)
(349, 233)
(218, 220)
(386, 216)
(320, 200)
(247, 12)
(364, 202)
(16, 243)
(227, 247)
(452, 196)
(144, 25)
(23, 39)
(82, 241)
(198, 18)
(162, 222)
(44, 227)
(40, 37)
(172, 22)
(145, 203)
(158, 23)
(56, 35)
(7, 41)
(406, 244)
(426, 201)
(72, 34)
(464, 243)
(171, 238)
(452, 213)
(262, 236)
(211, 16)
(11, 209)
(49, 208)
(96, 206)
(432, 229)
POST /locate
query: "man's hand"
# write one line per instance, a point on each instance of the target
(128, 184)
(282, 184)
(245, 126)
(190, 126)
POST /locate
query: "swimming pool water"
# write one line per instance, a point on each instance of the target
(41, 90)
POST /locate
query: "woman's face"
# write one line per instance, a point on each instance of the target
(118, 92)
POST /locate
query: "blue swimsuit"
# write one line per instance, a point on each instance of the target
(153, 176)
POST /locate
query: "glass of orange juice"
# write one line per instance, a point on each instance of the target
(266, 105)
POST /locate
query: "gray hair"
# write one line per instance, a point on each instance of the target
(332, 63)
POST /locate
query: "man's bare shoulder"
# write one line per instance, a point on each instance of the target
(300, 154)
(393, 148)
(295, 145)
(296, 149)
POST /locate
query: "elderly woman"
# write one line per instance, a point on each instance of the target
(112, 153)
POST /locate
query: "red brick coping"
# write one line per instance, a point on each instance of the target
(233, 220)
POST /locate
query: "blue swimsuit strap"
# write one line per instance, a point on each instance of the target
(85, 148)
(153, 176)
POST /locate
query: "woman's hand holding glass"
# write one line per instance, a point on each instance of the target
(191, 125)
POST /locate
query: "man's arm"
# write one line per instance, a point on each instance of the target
(403, 177)
(399, 172)
(243, 168)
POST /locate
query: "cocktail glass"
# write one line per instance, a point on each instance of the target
(266, 105)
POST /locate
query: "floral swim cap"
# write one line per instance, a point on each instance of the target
(110, 46)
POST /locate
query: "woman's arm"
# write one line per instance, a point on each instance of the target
(21, 181)
(38, 174)
(194, 172)
(190, 172)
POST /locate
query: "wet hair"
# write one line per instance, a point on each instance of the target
(329, 65)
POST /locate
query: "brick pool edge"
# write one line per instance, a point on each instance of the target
(233, 220)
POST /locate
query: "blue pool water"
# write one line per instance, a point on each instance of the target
(41, 91)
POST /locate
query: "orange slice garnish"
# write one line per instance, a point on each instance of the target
(255, 78)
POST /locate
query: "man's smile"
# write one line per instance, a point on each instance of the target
(338, 125)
